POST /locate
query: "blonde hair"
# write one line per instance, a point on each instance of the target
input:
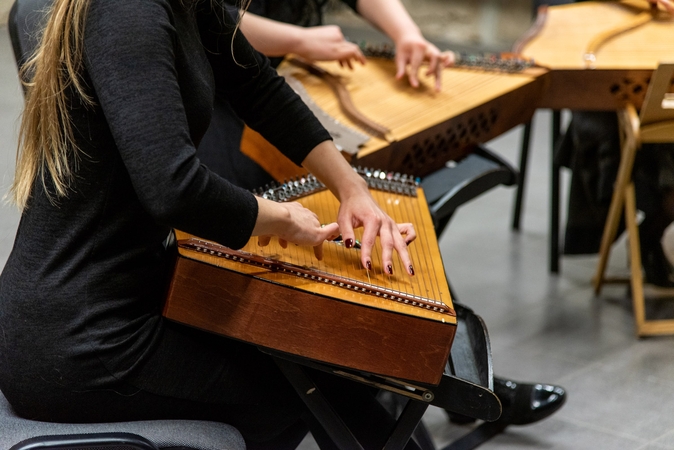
(47, 146)
(46, 138)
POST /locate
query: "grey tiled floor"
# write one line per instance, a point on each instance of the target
(543, 327)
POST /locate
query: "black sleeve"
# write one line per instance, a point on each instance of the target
(352, 4)
(256, 92)
(130, 58)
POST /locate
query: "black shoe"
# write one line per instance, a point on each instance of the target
(527, 403)
(522, 403)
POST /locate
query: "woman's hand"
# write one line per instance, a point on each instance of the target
(413, 50)
(291, 222)
(667, 4)
(358, 209)
(320, 43)
(327, 43)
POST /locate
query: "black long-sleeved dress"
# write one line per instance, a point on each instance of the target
(81, 293)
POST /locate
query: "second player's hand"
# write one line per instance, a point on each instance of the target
(413, 51)
(667, 4)
(327, 43)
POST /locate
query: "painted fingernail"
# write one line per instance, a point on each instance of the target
(411, 270)
(389, 269)
(348, 243)
(408, 242)
(369, 265)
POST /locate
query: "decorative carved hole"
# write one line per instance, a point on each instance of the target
(493, 116)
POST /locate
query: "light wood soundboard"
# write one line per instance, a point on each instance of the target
(601, 55)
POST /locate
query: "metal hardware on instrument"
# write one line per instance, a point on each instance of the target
(221, 251)
(381, 180)
(498, 62)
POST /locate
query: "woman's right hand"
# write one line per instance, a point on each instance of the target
(667, 4)
(292, 222)
(327, 43)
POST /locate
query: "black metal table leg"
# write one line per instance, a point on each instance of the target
(554, 193)
(519, 193)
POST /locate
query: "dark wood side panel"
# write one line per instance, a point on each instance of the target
(599, 90)
(311, 326)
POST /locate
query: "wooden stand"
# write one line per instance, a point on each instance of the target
(654, 125)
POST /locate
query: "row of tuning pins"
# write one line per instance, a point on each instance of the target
(289, 189)
(492, 61)
(487, 61)
(389, 181)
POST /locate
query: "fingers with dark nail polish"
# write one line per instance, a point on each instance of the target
(348, 243)
(369, 265)
(389, 269)
(411, 269)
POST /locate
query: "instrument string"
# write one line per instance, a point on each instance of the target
(402, 215)
(409, 212)
(336, 250)
(400, 275)
(317, 207)
(399, 272)
(462, 94)
(428, 240)
(333, 252)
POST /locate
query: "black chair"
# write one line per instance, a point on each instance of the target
(25, 22)
(17, 433)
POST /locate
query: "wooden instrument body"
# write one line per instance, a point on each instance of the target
(318, 320)
(428, 128)
(624, 62)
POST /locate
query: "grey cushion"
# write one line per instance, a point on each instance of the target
(192, 434)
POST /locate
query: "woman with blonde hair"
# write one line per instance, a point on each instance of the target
(120, 94)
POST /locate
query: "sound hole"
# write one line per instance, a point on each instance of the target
(437, 149)
(630, 90)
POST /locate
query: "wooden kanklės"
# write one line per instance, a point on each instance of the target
(601, 55)
(425, 129)
(332, 311)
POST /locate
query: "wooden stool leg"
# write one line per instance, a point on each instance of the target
(610, 230)
(628, 154)
(636, 276)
